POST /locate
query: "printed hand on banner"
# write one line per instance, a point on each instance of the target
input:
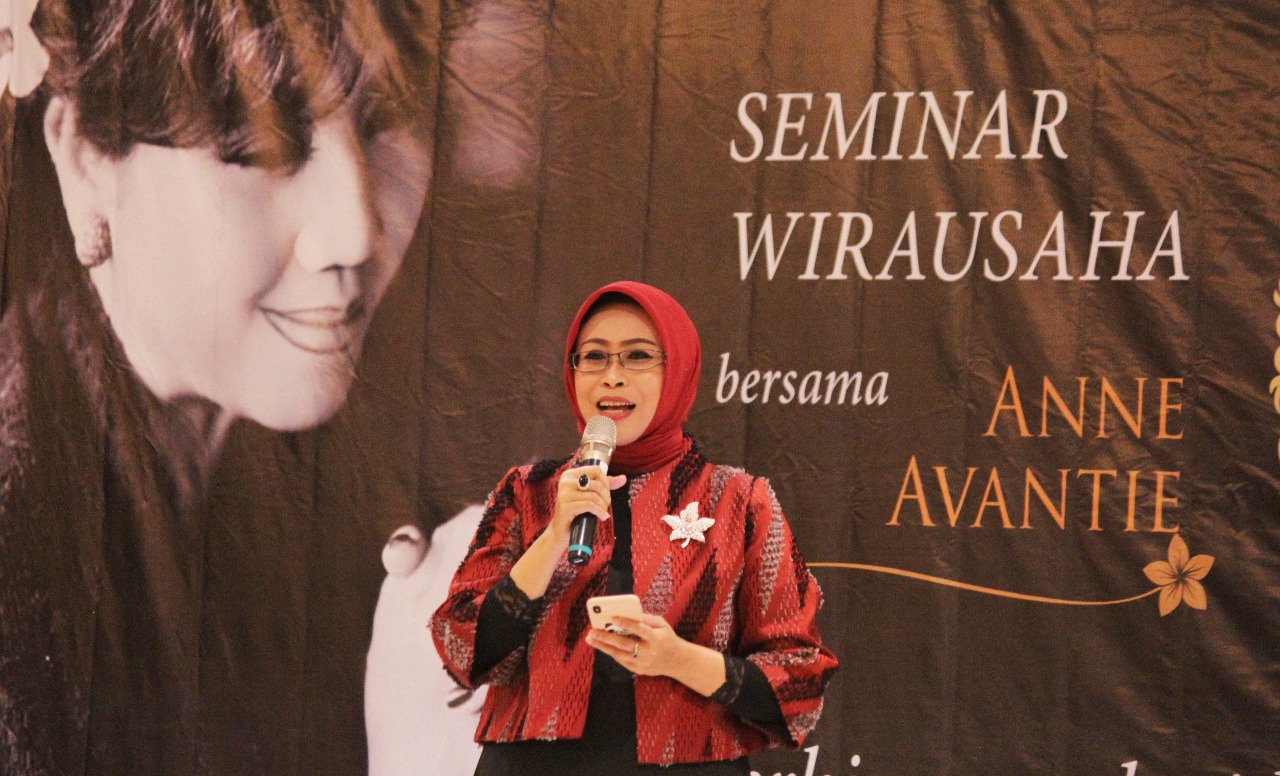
(417, 720)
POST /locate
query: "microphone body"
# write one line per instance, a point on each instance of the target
(598, 441)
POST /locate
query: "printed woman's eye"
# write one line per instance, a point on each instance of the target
(267, 146)
(594, 357)
(639, 357)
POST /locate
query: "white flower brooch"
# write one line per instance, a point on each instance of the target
(23, 61)
(687, 525)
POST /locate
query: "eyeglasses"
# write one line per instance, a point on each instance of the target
(635, 360)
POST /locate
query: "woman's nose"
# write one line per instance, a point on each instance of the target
(614, 374)
(338, 222)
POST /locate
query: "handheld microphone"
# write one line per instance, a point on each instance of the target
(598, 441)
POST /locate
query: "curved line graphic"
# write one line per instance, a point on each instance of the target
(977, 588)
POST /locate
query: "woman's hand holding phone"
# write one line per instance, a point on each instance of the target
(646, 644)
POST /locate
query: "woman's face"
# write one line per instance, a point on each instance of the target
(628, 397)
(253, 287)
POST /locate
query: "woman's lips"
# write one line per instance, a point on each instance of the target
(615, 408)
(321, 330)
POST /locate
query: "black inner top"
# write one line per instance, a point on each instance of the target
(608, 743)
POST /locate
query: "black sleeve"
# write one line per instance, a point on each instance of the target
(506, 620)
(746, 692)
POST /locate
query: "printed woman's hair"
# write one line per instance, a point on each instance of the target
(248, 78)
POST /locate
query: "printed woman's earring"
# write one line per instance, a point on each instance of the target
(95, 249)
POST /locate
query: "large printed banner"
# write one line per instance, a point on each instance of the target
(989, 291)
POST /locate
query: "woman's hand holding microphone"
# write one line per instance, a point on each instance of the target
(580, 490)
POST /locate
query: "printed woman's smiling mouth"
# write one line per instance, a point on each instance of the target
(323, 330)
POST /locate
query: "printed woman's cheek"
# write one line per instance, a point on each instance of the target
(249, 287)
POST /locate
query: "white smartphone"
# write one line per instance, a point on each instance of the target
(603, 608)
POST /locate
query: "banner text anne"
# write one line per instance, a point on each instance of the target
(1093, 408)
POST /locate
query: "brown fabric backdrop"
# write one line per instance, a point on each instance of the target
(579, 143)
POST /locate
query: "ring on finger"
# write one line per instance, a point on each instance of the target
(584, 482)
(635, 650)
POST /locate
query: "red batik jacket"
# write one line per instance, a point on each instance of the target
(743, 591)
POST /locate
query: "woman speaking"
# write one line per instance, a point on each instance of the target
(726, 658)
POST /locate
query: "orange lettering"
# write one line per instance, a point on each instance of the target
(1010, 387)
(1097, 475)
(1161, 500)
(912, 478)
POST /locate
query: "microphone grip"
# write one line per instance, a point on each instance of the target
(582, 531)
(582, 534)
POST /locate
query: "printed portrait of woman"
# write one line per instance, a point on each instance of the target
(206, 204)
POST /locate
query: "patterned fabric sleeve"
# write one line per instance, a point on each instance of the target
(494, 550)
(735, 672)
(778, 605)
(746, 692)
(507, 617)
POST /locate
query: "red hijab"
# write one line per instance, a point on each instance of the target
(664, 440)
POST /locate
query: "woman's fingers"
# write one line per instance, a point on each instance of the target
(631, 653)
(588, 479)
(632, 626)
(581, 490)
(614, 643)
(648, 651)
(652, 628)
(584, 489)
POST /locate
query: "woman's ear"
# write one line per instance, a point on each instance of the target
(87, 179)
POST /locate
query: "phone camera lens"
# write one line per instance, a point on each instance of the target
(596, 608)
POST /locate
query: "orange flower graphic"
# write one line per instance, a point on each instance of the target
(1179, 577)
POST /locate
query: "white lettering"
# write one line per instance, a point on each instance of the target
(751, 386)
(788, 388)
(835, 116)
(814, 241)
(722, 395)
(1039, 127)
(1002, 242)
(749, 381)
(907, 235)
(939, 246)
(1173, 252)
(749, 124)
(948, 135)
(898, 116)
(811, 388)
(846, 226)
(785, 125)
(773, 257)
(1005, 230)
(951, 120)
(1000, 113)
(1058, 251)
(1125, 245)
